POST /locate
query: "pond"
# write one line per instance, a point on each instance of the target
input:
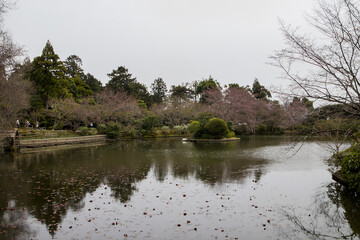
(258, 188)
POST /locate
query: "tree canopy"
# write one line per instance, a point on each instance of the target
(48, 75)
(158, 89)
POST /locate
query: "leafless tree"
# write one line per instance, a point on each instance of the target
(332, 59)
(9, 51)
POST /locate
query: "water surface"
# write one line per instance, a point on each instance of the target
(258, 188)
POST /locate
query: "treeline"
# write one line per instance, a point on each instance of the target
(60, 95)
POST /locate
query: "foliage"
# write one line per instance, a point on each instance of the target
(73, 67)
(165, 130)
(120, 80)
(158, 89)
(85, 131)
(230, 134)
(181, 93)
(259, 91)
(150, 122)
(181, 129)
(204, 86)
(217, 128)
(350, 167)
(194, 127)
(336, 127)
(203, 118)
(112, 130)
(94, 84)
(78, 88)
(101, 128)
(48, 75)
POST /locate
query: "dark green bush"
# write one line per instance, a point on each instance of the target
(261, 129)
(206, 136)
(350, 167)
(150, 122)
(217, 128)
(112, 130)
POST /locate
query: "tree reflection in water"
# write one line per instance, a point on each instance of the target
(334, 214)
(51, 187)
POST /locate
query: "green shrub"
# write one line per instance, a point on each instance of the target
(203, 118)
(350, 167)
(150, 122)
(84, 131)
(181, 129)
(230, 134)
(101, 128)
(194, 127)
(165, 130)
(113, 130)
(217, 128)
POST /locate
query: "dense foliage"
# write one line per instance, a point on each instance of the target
(350, 167)
(216, 128)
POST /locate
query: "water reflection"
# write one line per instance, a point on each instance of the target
(47, 186)
(334, 214)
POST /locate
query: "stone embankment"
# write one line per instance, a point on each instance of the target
(47, 142)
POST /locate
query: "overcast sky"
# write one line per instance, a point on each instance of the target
(178, 40)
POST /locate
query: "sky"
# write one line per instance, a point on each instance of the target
(177, 40)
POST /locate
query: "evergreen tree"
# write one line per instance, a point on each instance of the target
(48, 75)
(259, 91)
(78, 88)
(204, 86)
(94, 84)
(158, 89)
(73, 67)
(120, 80)
(181, 92)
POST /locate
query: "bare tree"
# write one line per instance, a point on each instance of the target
(332, 58)
(9, 51)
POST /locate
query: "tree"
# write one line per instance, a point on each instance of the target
(14, 98)
(48, 75)
(181, 93)
(158, 89)
(78, 88)
(259, 91)
(94, 84)
(204, 86)
(140, 92)
(332, 57)
(9, 51)
(120, 80)
(73, 67)
(117, 107)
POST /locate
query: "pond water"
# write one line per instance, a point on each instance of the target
(257, 188)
